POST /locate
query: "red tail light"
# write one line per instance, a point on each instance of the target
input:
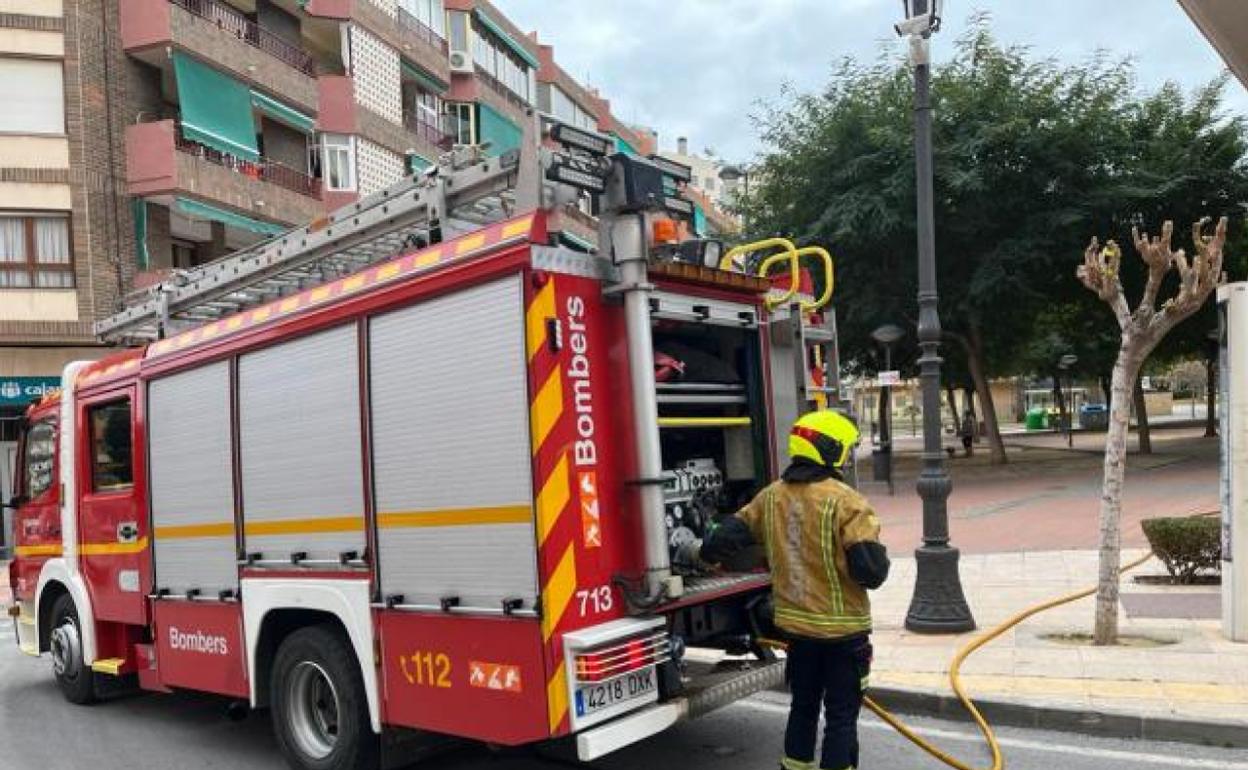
(609, 662)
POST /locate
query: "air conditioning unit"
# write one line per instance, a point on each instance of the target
(461, 62)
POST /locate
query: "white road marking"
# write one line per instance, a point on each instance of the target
(1022, 743)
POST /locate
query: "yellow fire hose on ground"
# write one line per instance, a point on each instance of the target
(955, 681)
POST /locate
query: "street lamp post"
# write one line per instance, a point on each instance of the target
(887, 335)
(1064, 364)
(938, 604)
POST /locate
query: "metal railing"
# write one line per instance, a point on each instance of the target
(262, 170)
(423, 31)
(232, 21)
(430, 132)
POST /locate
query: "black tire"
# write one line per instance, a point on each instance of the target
(320, 711)
(75, 678)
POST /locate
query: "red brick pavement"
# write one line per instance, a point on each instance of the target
(1046, 499)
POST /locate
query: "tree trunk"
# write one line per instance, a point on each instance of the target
(951, 398)
(974, 360)
(1126, 372)
(1141, 417)
(1211, 398)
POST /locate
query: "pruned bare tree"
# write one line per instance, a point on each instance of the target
(1141, 329)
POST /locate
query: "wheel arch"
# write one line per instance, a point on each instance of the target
(55, 579)
(273, 608)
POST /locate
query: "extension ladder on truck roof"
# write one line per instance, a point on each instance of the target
(464, 192)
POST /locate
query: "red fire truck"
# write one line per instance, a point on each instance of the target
(441, 492)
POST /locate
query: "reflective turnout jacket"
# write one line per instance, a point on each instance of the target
(822, 544)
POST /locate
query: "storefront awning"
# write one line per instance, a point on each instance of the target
(283, 113)
(497, 131)
(199, 210)
(622, 145)
(216, 108)
(425, 79)
(508, 40)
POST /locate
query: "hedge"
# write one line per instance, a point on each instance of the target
(1186, 545)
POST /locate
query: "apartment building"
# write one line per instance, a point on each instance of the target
(143, 136)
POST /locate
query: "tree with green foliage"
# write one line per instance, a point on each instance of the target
(1030, 156)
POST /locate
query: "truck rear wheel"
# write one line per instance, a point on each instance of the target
(74, 676)
(320, 711)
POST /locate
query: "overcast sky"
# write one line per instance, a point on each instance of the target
(696, 68)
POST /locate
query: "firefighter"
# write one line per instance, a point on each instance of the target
(822, 544)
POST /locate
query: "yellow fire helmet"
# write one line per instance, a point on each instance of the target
(825, 437)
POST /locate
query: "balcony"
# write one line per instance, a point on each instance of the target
(496, 85)
(217, 33)
(160, 162)
(431, 133)
(264, 170)
(230, 21)
(416, 27)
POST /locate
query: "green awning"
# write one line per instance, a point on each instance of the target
(283, 113)
(198, 210)
(497, 131)
(138, 208)
(417, 164)
(699, 221)
(507, 39)
(424, 78)
(623, 146)
(216, 108)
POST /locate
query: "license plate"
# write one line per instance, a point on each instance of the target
(592, 698)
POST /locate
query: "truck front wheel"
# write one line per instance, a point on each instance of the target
(320, 711)
(74, 676)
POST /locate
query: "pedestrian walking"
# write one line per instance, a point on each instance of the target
(967, 432)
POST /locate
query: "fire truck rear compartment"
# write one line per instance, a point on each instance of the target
(712, 421)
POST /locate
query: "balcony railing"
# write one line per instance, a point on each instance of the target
(230, 20)
(497, 87)
(430, 132)
(262, 170)
(421, 30)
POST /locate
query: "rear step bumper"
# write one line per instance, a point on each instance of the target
(697, 701)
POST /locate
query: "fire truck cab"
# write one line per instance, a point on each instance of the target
(436, 496)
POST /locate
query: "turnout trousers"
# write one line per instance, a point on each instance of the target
(827, 674)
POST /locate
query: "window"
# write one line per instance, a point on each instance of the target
(35, 252)
(112, 464)
(565, 109)
(33, 96)
(40, 458)
(339, 162)
(462, 122)
(458, 22)
(498, 61)
(428, 12)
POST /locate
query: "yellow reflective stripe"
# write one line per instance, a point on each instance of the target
(546, 408)
(186, 531)
(557, 697)
(456, 517)
(541, 309)
(519, 227)
(469, 243)
(38, 550)
(827, 526)
(112, 549)
(552, 499)
(558, 593)
(795, 764)
(305, 526)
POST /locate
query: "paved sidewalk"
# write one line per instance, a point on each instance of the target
(1199, 676)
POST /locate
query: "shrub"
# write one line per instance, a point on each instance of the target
(1186, 545)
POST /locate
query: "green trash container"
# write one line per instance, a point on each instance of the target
(1036, 419)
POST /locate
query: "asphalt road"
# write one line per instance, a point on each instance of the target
(176, 732)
